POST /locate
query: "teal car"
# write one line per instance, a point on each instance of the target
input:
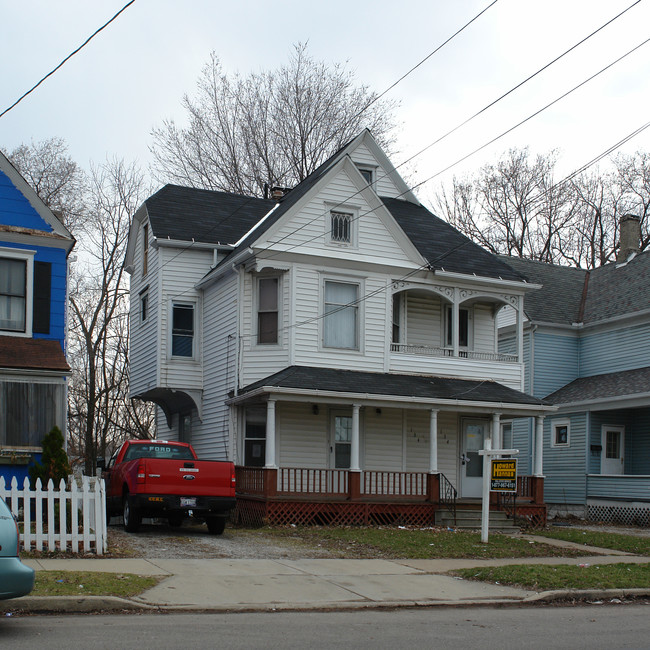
(16, 579)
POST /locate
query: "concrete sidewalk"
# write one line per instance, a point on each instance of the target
(214, 585)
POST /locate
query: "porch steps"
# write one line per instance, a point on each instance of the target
(471, 520)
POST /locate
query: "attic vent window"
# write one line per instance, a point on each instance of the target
(341, 227)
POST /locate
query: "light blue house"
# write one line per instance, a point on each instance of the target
(34, 246)
(587, 351)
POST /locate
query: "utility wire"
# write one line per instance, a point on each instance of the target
(49, 74)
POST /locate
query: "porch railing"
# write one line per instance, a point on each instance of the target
(448, 495)
(431, 351)
(405, 484)
(293, 480)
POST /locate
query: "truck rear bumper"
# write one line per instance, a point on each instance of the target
(159, 505)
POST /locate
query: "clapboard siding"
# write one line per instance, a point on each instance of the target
(309, 229)
(621, 488)
(144, 343)
(384, 185)
(180, 271)
(615, 350)
(423, 320)
(383, 438)
(484, 329)
(556, 362)
(565, 467)
(211, 437)
(302, 436)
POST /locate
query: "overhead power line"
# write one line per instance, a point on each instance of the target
(67, 58)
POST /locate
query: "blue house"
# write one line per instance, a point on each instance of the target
(34, 246)
(587, 351)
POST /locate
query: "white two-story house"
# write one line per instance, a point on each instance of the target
(338, 342)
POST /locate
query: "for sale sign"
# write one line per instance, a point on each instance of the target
(503, 477)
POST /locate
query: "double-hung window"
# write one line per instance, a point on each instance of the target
(182, 330)
(341, 315)
(463, 327)
(267, 311)
(13, 294)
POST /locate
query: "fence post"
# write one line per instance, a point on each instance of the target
(85, 496)
(270, 482)
(27, 516)
(74, 516)
(38, 496)
(63, 518)
(433, 488)
(51, 525)
(100, 521)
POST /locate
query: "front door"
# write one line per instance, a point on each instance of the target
(612, 459)
(471, 463)
(340, 441)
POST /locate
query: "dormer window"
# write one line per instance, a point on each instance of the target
(341, 227)
(368, 174)
(13, 294)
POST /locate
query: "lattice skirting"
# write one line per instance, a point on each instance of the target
(250, 512)
(533, 515)
(629, 515)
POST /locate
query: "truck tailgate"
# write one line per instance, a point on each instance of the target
(195, 477)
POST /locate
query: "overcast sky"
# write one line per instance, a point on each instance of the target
(107, 98)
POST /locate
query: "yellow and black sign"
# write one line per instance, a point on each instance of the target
(503, 477)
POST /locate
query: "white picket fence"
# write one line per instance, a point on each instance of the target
(43, 528)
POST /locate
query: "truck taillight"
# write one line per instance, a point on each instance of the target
(141, 474)
(232, 477)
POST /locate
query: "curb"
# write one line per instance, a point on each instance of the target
(72, 604)
(587, 594)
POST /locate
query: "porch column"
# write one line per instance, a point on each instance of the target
(270, 435)
(497, 443)
(433, 442)
(354, 446)
(520, 331)
(455, 325)
(538, 469)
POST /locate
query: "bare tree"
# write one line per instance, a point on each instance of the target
(57, 179)
(100, 409)
(517, 207)
(269, 128)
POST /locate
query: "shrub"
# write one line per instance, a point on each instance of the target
(54, 461)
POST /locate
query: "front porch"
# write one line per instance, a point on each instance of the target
(300, 496)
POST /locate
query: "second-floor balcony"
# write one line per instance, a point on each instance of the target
(430, 351)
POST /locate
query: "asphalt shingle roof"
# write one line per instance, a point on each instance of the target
(186, 213)
(596, 387)
(611, 290)
(379, 384)
(32, 354)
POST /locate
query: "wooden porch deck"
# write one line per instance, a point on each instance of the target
(327, 497)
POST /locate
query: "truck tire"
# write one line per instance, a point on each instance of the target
(132, 517)
(216, 525)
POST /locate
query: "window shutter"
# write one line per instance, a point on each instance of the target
(42, 293)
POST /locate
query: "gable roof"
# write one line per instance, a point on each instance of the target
(186, 213)
(571, 295)
(382, 385)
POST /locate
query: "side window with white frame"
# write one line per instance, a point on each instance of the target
(560, 433)
(183, 329)
(145, 249)
(267, 310)
(368, 173)
(464, 333)
(341, 315)
(341, 227)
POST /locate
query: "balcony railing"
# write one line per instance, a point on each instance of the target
(430, 351)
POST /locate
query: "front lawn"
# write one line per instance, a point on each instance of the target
(564, 576)
(616, 541)
(414, 543)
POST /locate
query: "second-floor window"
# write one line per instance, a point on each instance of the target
(463, 327)
(341, 315)
(144, 305)
(13, 294)
(182, 330)
(145, 249)
(267, 311)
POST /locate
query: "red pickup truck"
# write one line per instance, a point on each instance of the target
(155, 478)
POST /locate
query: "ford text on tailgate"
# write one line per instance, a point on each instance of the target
(154, 478)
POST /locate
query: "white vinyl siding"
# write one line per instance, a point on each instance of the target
(384, 448)
(484, 331)
(303, 440)
(383, 184)
(423, 320)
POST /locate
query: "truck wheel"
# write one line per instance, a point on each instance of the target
(175, 520)
(132, 518)
(216, 525)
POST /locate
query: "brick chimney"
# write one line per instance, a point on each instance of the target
(630, 236)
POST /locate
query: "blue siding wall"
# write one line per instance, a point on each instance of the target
(55, 256)
(614, 351)
(556, 362)
(522, 440)
(565, 467)
(16, 210)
